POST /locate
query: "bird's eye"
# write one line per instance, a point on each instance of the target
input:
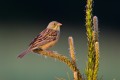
(54, 24)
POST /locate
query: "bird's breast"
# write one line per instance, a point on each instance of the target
(48, 45)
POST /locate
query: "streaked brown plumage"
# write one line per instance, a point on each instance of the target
(46, 39)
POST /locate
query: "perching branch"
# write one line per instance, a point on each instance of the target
(60, 58)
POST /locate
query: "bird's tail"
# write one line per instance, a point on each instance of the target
(23, 53)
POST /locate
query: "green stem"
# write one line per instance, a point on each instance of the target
(91, 50)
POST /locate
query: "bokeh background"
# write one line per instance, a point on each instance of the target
(22, 20)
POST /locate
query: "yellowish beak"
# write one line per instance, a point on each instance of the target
(59, 24)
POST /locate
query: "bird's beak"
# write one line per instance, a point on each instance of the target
(59, 24)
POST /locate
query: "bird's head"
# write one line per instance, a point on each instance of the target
(54, 25)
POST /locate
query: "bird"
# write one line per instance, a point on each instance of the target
(45, 39)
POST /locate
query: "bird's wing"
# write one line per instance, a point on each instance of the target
(44, 37)
(38, 36)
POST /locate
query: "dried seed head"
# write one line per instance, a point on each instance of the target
(95, 24)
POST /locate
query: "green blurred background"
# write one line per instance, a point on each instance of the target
(21, 21)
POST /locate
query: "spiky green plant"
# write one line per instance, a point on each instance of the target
(93, 44)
